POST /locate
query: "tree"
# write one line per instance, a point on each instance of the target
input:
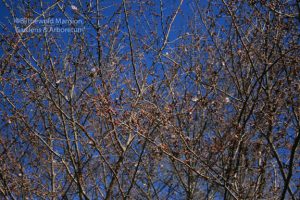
(149, 99)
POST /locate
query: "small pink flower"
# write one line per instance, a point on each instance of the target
(74, 8)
